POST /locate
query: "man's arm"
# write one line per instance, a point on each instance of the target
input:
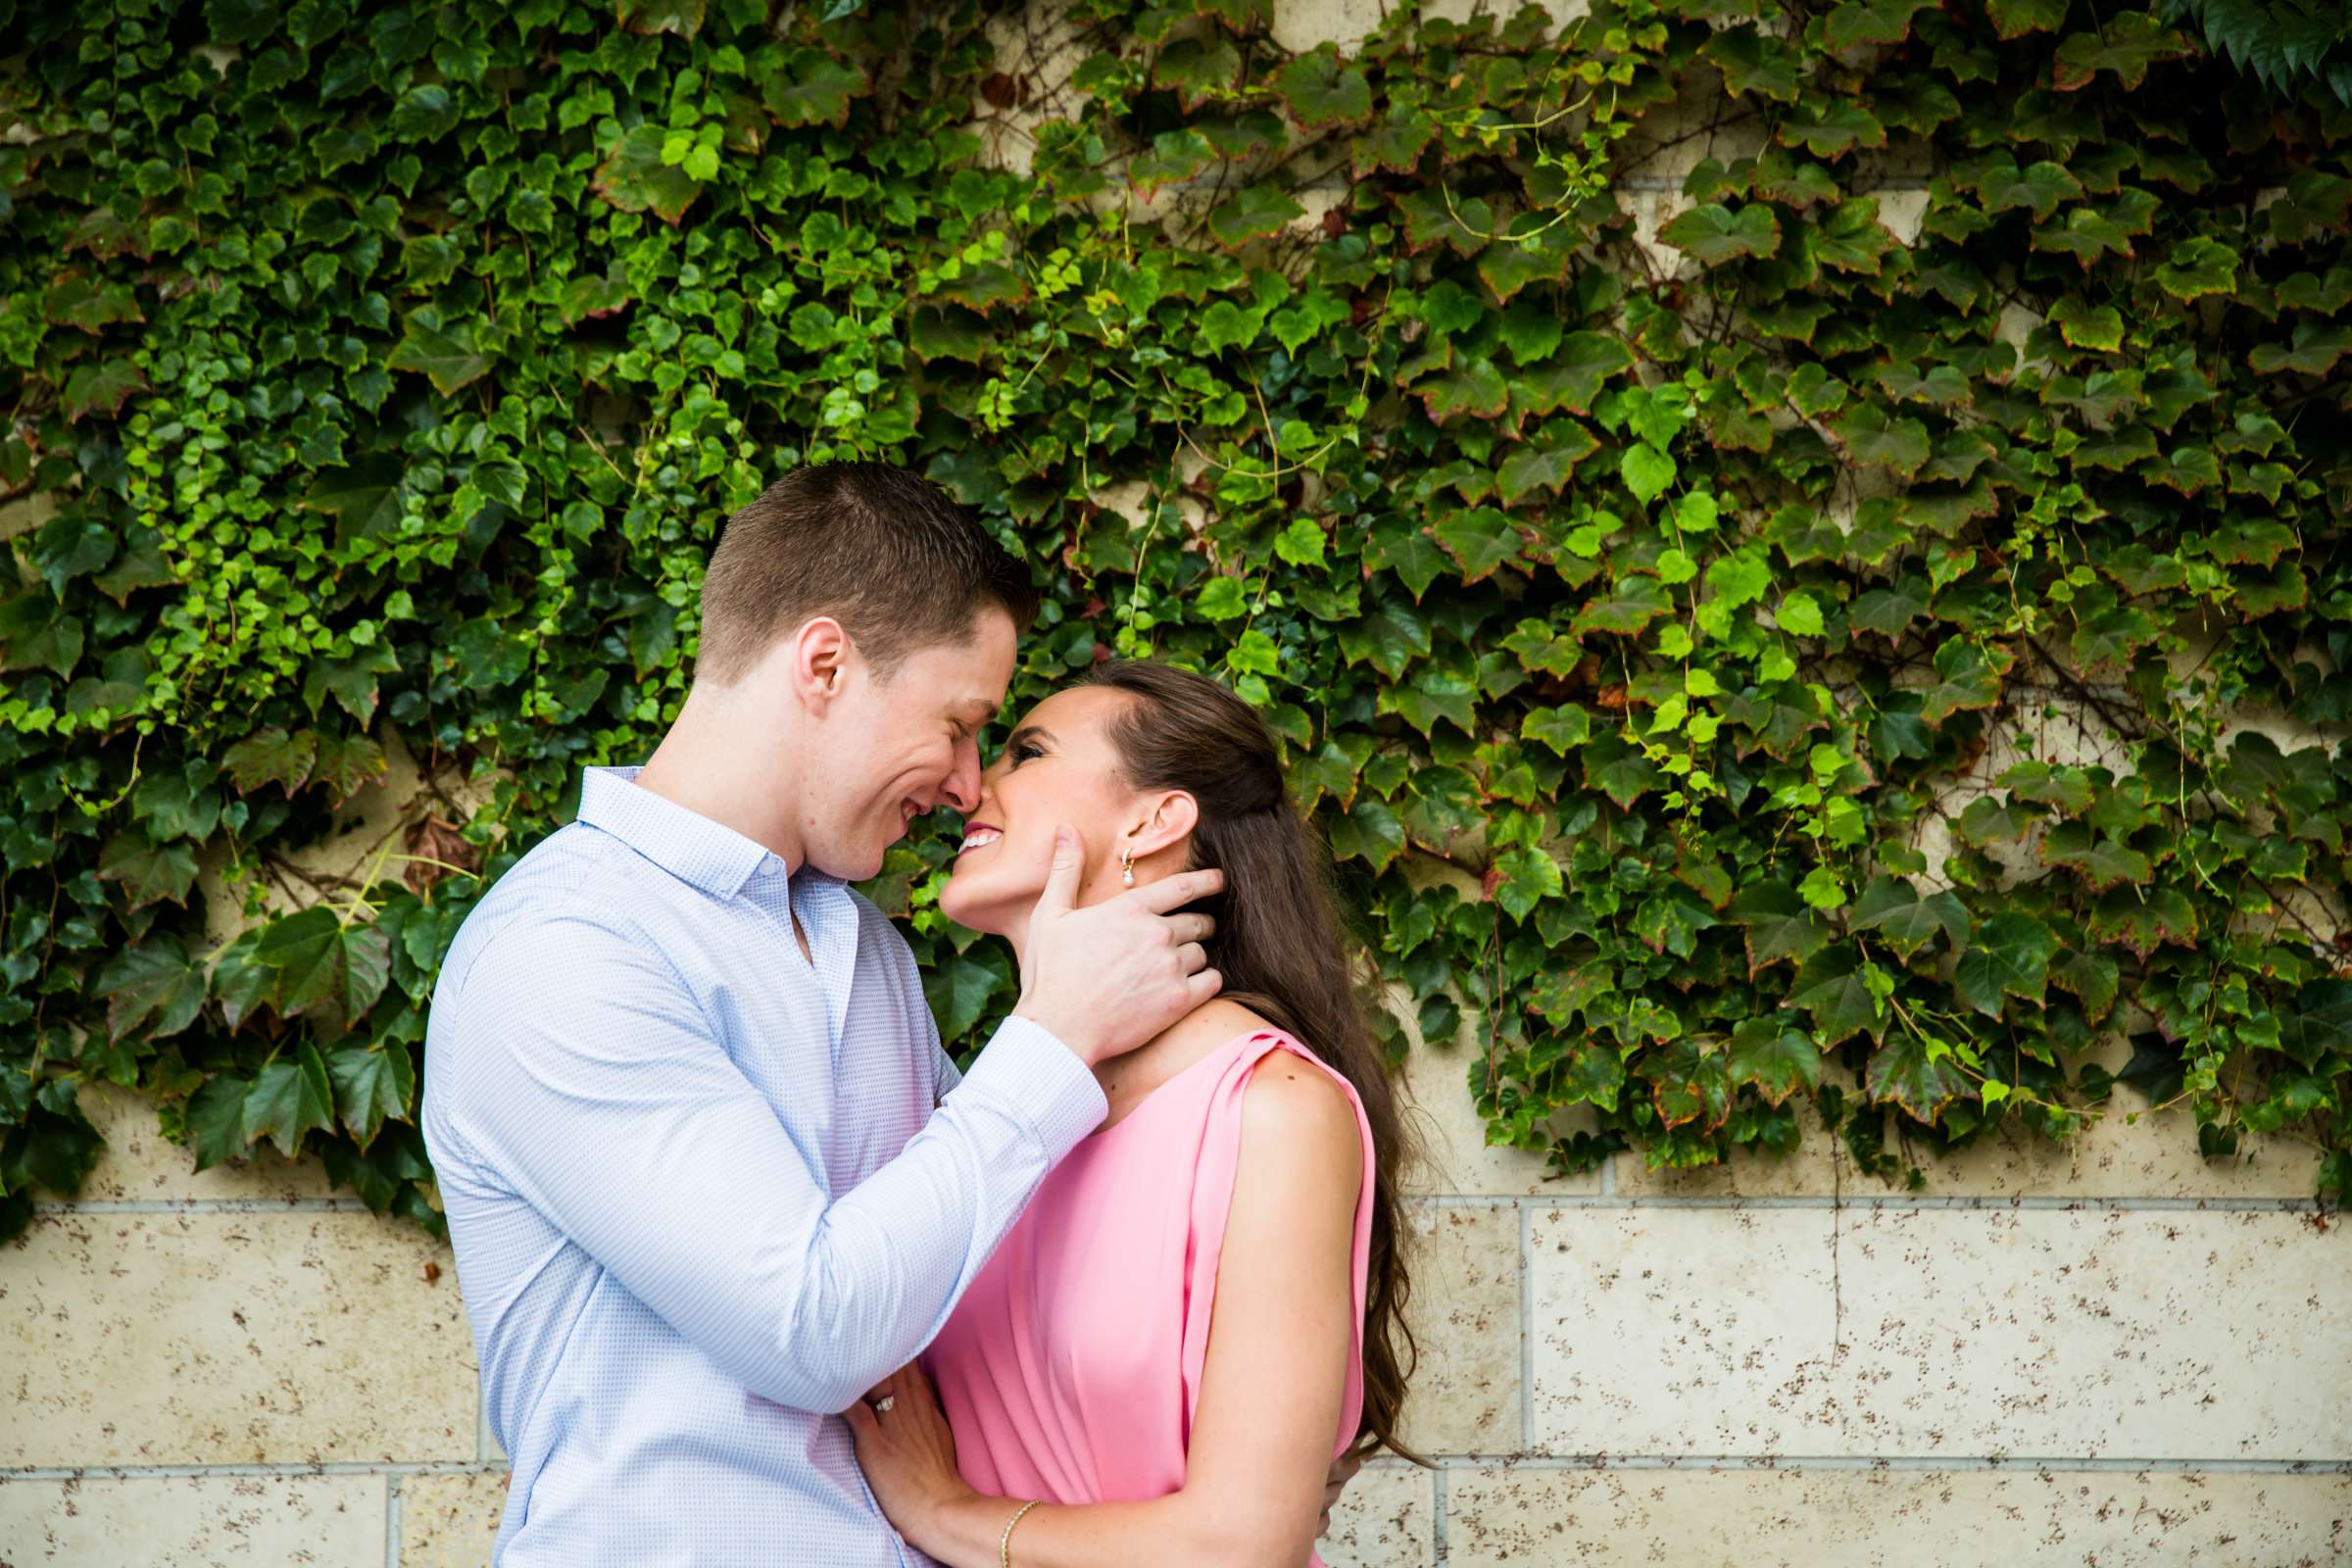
(590, 1083)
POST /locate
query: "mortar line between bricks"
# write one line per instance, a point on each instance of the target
(1527, 1328)
(2039, 1203)
(1437, 1516)
(2063, 1464)
(391, 1522)
(183, 1472)
(1919, 1463)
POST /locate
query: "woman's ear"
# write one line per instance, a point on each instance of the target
(1167, 819)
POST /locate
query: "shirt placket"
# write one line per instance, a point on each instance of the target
(830, 920)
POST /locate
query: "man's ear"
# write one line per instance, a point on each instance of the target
(818, 658)
(1167, 817)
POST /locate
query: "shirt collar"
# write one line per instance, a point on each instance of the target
(684, 842)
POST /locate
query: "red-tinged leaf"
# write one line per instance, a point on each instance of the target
(101, 386)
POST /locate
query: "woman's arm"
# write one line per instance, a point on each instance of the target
(1268, 1414)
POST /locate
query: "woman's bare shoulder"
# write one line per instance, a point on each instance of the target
(1296, 1115)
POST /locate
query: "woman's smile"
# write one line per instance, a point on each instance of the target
(978, 835)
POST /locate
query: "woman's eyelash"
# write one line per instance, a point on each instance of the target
(1022, 751)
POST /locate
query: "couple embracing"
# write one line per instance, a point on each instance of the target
(754, 1276)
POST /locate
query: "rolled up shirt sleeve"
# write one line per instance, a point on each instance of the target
(593, 1085)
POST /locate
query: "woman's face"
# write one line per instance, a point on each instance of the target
(1057, 765)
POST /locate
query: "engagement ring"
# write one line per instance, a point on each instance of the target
(883, 1404)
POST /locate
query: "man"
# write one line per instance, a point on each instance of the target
(680, 1080)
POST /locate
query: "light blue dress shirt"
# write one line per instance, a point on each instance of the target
(698, 1192)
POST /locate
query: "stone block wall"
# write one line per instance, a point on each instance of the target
(2112, 1354)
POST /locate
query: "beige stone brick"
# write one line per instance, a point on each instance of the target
(139, 1163)
(1893, 1519)
(193, 1521)
(450, 1521)
(231, 1338)
(1465, 1390)
(1382, 1520)
(1302, 24)
(1925, 1332)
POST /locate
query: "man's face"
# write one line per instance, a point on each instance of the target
(894, 748)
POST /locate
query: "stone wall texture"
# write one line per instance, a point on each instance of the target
(2112, 1354)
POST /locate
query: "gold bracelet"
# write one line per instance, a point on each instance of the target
(1005, 1541)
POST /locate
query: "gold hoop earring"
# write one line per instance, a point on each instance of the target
(1127, 867)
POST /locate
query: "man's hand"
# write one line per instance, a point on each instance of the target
(1103, 980)
(1343, 1471)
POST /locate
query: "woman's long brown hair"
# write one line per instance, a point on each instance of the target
(1279, 945)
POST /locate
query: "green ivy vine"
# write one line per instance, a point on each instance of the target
(1844, 644)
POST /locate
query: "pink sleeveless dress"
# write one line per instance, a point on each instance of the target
(1071, 1367)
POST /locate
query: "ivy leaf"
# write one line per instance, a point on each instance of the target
(1511, 264)
(1544, 462)
(1564, 729)
(1573, 376)
(2014, 18)
(1777, 1060)
(1752, 61)
(1320, 89)
(1870, 436)
(101, 387)
(1366, 831)
(2093, 977)
(1646, 470)
(290, 1098)
(1834, 985)
(1482, 539)
(1632, 602)
(1689, 1082)
(152, 984)
(813, 89)
(2009, 955)
(325, 971)
(1831, 130)
(1965, 676)
(216, 1119)
(1394, 144)
(1905, 919)
(2319, 1024)
(1619, 771)
(2199, 265)
(1476, 389)
(1196, 68)
(2038, 187)
(448, 359)
(1671, 918)
(958, 986)
(634, 178)
(1781, 926)
(1856, 23)
(1850, 239)
(1902, 1072)
(1523, 878)
(1712, 234)
(364, 499)
(2086, 327)
(2127, 44)
(1564, 991)
(1255, 211)
(373, 1084)
(149, 873)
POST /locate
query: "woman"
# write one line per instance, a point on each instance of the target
(1092, 1414)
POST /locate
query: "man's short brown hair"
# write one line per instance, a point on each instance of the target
(882, 550)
